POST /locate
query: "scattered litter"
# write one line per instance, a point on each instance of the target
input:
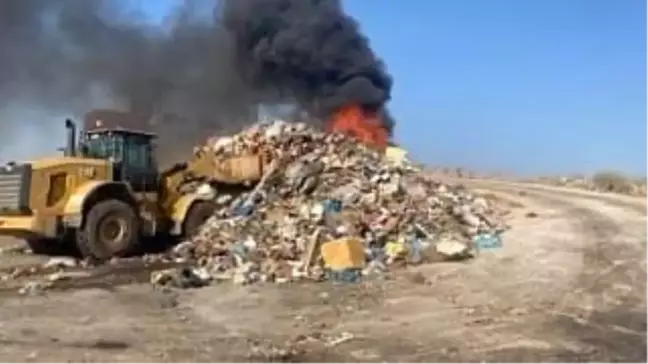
(452, 249)
(62, 276)
(34, 288)
(488, 241)
(342, 338)
(61, 262)
(13, 249)
(185, 277)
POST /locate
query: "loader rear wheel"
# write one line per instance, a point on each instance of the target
(111, 229)
(198, 214)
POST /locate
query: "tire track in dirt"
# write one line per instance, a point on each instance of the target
(594, 223)
(637, 204)
(605, 316)
(606, 251)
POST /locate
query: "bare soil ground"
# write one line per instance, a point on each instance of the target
(568, 285)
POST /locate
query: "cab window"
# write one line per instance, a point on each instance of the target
(138, 154)
(105, 146)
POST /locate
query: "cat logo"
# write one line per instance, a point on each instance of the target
(88, 172)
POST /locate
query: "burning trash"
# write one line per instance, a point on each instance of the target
(362, 124)
(331, 207)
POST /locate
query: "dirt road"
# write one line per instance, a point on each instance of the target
(568, 285)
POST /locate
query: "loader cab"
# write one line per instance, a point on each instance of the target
(131, 152)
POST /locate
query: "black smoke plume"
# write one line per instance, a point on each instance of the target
(209, 71)
(309, 50)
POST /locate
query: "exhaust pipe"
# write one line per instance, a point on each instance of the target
(70, 146)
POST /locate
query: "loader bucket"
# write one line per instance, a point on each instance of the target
(236, 170)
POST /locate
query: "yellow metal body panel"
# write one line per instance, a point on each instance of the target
(27, 226)
(81, 175)
(179, 209)
(74, 204)
(56, 162)
(232, 170)
(57, 188)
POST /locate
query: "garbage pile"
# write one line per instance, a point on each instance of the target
(328, 207)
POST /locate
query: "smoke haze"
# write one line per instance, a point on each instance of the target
(67, 56)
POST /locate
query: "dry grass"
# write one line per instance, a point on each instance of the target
(611, 181)
(603, 181)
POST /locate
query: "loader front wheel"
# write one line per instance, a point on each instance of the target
(198, 214)
(111, 229)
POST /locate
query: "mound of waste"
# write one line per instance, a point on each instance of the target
(328, 208)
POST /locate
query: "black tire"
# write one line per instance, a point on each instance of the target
(198, 213)
(45, 246)
(95, 239)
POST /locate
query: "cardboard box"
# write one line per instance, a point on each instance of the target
(345, 253)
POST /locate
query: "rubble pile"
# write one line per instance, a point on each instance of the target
(328, 207)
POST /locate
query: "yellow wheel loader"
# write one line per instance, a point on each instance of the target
(105, 194)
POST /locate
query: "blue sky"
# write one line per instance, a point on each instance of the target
(528, 86)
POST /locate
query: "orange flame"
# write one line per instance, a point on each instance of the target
(357, 122)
